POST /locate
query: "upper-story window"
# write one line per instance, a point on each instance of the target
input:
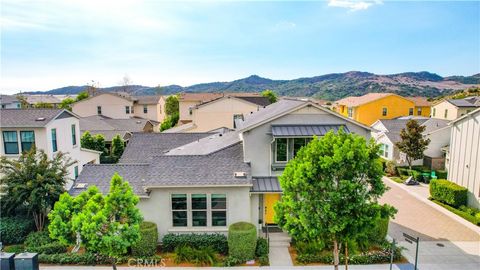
(235, 118)
(145, 109)
(75, 172)
(350, 112)
(74, 135)
(54, 140)
(410, 111)
(434, 111)
(287, 148)
(127, 109)
(10, 142)
(419, 111)
(281, 150)
(99, 110)
(384, 111)
(386, 152)
(27, 139)
(445, 114)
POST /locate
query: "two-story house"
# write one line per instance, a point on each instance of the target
(51, 130)
(9, 102)
(371, 107)
(202, 182)
(451, 109)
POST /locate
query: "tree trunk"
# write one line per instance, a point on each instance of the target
(114, 263)
(39, 219)
(346, 255)
(336, 260)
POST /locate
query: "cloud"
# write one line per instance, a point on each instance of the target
(354, 5)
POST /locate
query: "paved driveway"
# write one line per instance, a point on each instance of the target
(461, 245)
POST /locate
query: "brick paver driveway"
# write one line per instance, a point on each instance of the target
(459, 245)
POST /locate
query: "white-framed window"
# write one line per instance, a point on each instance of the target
(10, 142)
(287, 148)
(445, 114)
(281, 150)
(99, 110)
(410, 111)
(179, 210)
(235, 117)
(386, 151)
(384, 111)
(350, 112)
(199, 210)
(434, 111)
(145, 109)
(419, 111)
(219, 210)
(127, 109)
(382, 149)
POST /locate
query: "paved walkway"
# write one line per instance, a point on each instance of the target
(278, 254)
(445, 243)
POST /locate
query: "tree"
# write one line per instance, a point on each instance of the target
(330, 190)
(34, 181)
(169, 122)
(43, 105)
(118, 145)
(23, 101)
(126, 84)
(412, 144)
(82, 95)
(272, 97)
(171, 105)
(96, 142)
(106, 224)
(67, 104)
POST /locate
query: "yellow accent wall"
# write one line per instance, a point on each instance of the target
(269, 200)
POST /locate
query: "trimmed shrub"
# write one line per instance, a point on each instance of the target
(217, 241)
(38, 239)
(262, 248)
(403, 171)
(448, 192)
(147, 245)
(231, 261)
(14, 248)
(77, 258)
(242, 240)
(441, 174)
(379, 232)
(309, 247)
(199, 257)
(475, 219)
(391, 168)
(51, 248)
(14, 230)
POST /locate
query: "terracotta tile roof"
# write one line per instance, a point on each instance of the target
(420, 101)
(357, 101)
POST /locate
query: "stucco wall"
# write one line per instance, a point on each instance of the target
(184, 108)
(157, 208)
(453, 112)
(464, 164)
(370, 112)
(438, 139)
(113, 106)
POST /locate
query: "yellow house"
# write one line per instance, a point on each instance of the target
(371, 107)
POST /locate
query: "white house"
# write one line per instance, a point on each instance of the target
(52, 130)
(451, 109)
(9, 102)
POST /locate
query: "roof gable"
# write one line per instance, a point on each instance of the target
(16, 118)
(368, 98)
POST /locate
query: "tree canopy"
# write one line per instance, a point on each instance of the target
(272, 97)
(82, 95)
(412, 144)
(118, 146)
(96, 142)
(67, 104)
(171, 105)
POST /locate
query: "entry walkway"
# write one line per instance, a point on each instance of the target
(278, 254)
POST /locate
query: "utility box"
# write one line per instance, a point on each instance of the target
(6, 261)
(26, 261)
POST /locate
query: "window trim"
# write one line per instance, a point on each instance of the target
(410, 111)
(286, 154)
(189, 210)
(384, 111)
(419, 111)
(178, 210)
(434, 111)
(127, 109)
(199, 210)
(350, 112)
(445, 114)
(99, 110)
(218, 210)
(21, 142)
(145, 108)
(75, 172)
(74, 134)
(5, 142)
(54, 141)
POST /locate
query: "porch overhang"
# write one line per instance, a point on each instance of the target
(282, 131)
(265, 184)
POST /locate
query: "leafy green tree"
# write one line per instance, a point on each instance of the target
(87, 141)
(34, 181)
(106, 225)
(82, 95)
(272, 97)
(171, 105)
(43, 105)
(330, 190)
(412, 144)
(169, 122)
(118, 145)
(99, 143)
(67, 104)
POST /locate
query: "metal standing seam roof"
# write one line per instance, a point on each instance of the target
(305, 130)
(265, 184)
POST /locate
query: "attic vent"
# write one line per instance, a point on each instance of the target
(40, 119)
(139, 122)
(240, 174)
(81, 185)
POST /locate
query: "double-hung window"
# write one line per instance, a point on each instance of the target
(10, 142)
(27, 139)
(235, 118)
(219, 210)
(386, 151)
(384, 111)
(74, 135)
(54, 140)
(410, 111)
(434, 111)
(127, 109)
(199, 210)
(446, 114)
(145, 109)
(350, 112)
(281, 150)
(99, 110)
(179, 210)
(419, 111)
(75, 172)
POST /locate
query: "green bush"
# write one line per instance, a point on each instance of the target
(384, 163)
(217, 241)
(416, 175)
(51, 248)
(242, 240)
(262, 247)
(441, 174)
(448, 192)
(231, 261)
(264, 261)
(403, 171)
(391, 168)
(14, 230)
(14, 248)
(379, 232)
(77, 258)
(38, 239)
(199, 257)
(469, 210)
(147, 245)
(309, 247)
(475, 219)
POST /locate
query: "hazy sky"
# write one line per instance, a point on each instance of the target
(50, 44)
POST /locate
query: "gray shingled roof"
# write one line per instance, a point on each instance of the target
(265, 184)
(207, 145)
(34, 99)
(304, 130)
(28, 117)
(433, 124)
(98, 124)
(261, 101)
(466, 102)
(146, 99)
(143, 146)
(396, 125)
(7, 99)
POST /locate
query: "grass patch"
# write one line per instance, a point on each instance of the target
(397, 179)
(473, 219)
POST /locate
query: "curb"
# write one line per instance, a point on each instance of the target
(453, 216)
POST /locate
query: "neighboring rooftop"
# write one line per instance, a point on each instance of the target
(420, 101)
(466, 102)
(395, 126)
(357, 101)
(207, 145)
(8, 99)
(146, 100)
(30, 117)
(202, 97)
(109, 127)
(34, 99)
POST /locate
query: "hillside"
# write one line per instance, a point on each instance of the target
(330, 86)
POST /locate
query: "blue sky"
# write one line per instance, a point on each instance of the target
(49, 44)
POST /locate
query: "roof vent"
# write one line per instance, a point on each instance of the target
(81, 185)
(139, 122)
(240, 174)
(40, 119)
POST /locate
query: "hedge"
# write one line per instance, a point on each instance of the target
(51, 248)
(14, 230)
(242, 240)
(37, 239)
(379, 232)
(77, 258)
(475, 219)
(370, 257)
(217, 241)
(441, 174)
(147, 245)
(448, 192)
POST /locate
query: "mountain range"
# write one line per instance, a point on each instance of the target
(330, 86)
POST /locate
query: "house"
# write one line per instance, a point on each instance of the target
(108, 127)
(451, 109)
(121, 106)
(9, 102)
(187, 101)
(221, 112)
(371, 107)
(32, 100)
(464, 155)
(387, 134)
(203, 182)
(52, 130)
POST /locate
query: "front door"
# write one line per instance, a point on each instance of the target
(269, 200)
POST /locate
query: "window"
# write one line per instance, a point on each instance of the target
(382, 149)
(10, 142)
(199, 210)
(350, 112)
(297, 144)
(434, 111)
(281, 150)
(4, 106)
(386, 151)
(74, 135)
(127, 109)
(445, 114)
(410, 111)
(235, 118)
(145, 109)
(27, 139)
(384, 112)
(179, 210)
(99, 110)
(219, 210)
(419, 111)
(75, 172)
(54, 140)
(131, 109)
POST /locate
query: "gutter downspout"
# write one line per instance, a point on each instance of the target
(270, 155)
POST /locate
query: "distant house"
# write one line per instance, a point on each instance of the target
(221, 112)
(52, 130)
(187, 101)
(121, 106)
(32, 100)
(451, 109)
(387, 134)
(464, 155)
(10, 102)
(371, 107)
